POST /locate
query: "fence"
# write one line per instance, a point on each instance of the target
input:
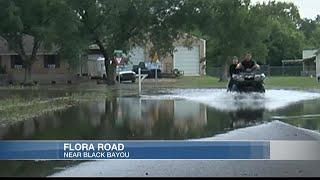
(270, 71)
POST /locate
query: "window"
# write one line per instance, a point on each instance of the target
(16, 62)
(51, 61)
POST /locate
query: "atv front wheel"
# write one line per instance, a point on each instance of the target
(234, 88)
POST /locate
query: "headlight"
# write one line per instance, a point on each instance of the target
(249, 76)
(238, 77)
(259, 77)
(234, 76)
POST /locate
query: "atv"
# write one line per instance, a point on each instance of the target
(248, 81)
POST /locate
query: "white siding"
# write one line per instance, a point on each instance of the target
(318, 64)
(187, 60)
(136, 55)
(308, 53)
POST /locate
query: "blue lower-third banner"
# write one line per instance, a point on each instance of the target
(86, 150)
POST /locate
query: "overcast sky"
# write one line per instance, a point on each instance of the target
(307, 8)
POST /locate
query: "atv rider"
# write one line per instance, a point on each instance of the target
(248, 64)
(233, 70)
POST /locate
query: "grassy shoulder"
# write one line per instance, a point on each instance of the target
(199, 82)
(14, 109)
(295, 82)
(285, 82)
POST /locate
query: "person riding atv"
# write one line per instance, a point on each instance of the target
(248, 79)
(248, 63)
(233, 70)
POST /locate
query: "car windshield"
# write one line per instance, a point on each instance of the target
(123, 68)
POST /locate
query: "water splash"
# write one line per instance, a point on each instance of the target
(227, 101)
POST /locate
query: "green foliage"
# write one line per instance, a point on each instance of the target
(121, 24)
(234, 28)
(272, 31)
(311, 30)
(285, 41)
(46, 21)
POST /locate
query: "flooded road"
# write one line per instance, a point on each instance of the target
(171, 114)
(166, 114)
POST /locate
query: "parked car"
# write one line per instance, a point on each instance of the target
(147, 68)
(125, 74)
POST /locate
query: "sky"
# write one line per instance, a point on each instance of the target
(307, 8)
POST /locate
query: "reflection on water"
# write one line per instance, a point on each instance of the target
(118, 118)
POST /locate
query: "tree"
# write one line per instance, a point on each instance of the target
(311, 31)
(233, 28)
(36, 18)
(119, 24)
(285, 41)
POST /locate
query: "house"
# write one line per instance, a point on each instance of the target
(49, 66)
(190, 59)
(313, 54)
(308, 62)
(309, 57)
(318, 64)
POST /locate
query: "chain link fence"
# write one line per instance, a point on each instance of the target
(269, 71)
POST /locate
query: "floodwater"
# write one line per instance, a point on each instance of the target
(166, 114)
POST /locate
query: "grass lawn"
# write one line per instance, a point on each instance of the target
(14, 108)
(199, 82)
(292, 82)
(287, 82)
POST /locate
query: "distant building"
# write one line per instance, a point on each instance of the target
(49, 66)
(308, 62)
(314, 55)
(318, 64)
(190, 60)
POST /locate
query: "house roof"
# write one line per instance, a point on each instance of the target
(312, 58)
(291, 61)
(286, 61)
(27, 43)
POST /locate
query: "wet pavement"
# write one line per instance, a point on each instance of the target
(176, 114)
(274, 130)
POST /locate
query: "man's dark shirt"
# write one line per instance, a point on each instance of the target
(232, 69)
(248, 64)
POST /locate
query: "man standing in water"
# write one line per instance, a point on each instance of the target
(248, 63)
(232, 70)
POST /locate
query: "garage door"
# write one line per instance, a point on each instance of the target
(136, 55)
(187, 60)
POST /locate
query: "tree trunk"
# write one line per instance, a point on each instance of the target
(224, 74)
(27, 74)
(110, 71)
(110, 68)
